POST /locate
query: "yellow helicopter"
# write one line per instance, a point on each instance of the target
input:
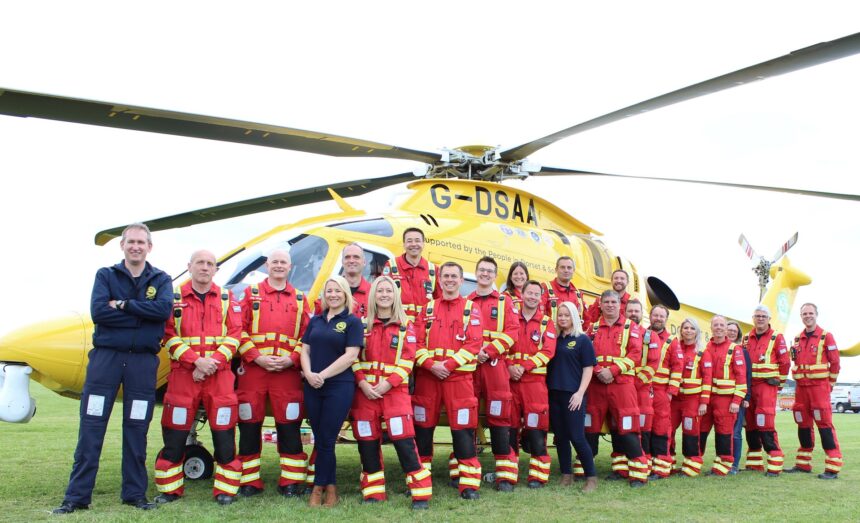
(458, 200)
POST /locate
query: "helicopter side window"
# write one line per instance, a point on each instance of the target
(599, 257)
(375, 226)
(307, 253)
(470, 283)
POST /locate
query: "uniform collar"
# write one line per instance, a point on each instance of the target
(266, 287)
(188, 290)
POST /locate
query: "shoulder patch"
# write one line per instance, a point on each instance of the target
(550, 335)
(707, 364)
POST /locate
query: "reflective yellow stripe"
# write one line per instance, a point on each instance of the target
(169, 473)
(251, 463)
(297, 476)
(229, 474)
(421, 474)
(376, 476)
(247, 478)
(416, 492)
(226, 487)
(170, 487)
(255, 311)
(375, 489)
(289, 462)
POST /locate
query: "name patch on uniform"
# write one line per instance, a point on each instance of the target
(707, 364)
(739, 362)
(831, 347)
(634, 334)
(237, 308)
(475, 322)
(550, 335)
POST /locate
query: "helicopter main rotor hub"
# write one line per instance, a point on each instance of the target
(478, 162)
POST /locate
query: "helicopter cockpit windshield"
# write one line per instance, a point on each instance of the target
(307, 253)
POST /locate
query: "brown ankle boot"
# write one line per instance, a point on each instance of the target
(566, 480)
(590, 484)
(316, 496)
(331, 498)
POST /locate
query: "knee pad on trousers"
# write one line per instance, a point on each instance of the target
(500, 440)
(424, 440)
(289, 438)
(647, 442)
(225, 445)
(406, 454)
(617, 447)
(514, 440)
(768, 440)
(804, 435)
(828, 440)
(593, 441)
(690, 445)
(631, 445)
(464, 443)
(249, 438)
(537, 442)
(703, 441)
(368, 451)
(174, 444)
(754, 440)
(723, 444)
(659, 445)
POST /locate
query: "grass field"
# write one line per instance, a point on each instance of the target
(35, 460)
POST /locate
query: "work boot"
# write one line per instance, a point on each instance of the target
(614, 476)
(370, 501)
(794, 470)
(505, 486)
(535, 484)
(828, 475)
(292, 490)
(166, 498)
(331, 498)
(249, 490)
(224, 499)
(470, 494)
(654, 477)
(67, 507)
(142, 503)
(315, 499)
(636, 484)
(771, 474)
(566, 480)
(420, 505)
(590, 484)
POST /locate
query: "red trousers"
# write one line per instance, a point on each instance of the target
(646, 406)
(493, 385)
(530, 408)
(617, 401)
(812, 405)
(718, 415)
(395, 408)
(283, 390)
(762, 409)
(662, 411)
(457, 394)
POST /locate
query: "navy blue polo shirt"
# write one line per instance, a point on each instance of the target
(572, 355)
(329, 339)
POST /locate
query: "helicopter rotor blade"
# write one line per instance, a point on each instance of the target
(262, 204)
(558, 171)
(784, 248)
(794, 61)
(25, 104)
(747, 248)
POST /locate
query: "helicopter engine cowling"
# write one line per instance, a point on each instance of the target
(659, 293)
(16, 404)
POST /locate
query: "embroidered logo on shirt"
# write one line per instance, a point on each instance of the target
(340, 327)
(571, 344)
(150, 292)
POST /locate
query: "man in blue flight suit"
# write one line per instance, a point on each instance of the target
(130, 303)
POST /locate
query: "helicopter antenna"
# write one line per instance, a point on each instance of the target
(762, 266)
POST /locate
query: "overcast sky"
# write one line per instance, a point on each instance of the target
(442, 75)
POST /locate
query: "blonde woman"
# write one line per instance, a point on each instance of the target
(568, 376)
(329, 348)
(691, 403)
(382, 374)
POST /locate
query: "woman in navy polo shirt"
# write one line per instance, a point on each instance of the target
(567, 379)
(329, 348)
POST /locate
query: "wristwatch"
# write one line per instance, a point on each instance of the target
(120, 304)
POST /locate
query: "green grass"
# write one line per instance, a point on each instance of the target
(35, 460)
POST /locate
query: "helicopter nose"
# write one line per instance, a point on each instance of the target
(55, 349)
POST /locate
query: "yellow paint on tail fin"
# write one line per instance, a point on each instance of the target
(786, 279)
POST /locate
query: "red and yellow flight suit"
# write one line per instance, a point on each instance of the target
(665, 385)
(449, 332)
(618, 347)
(770, 365)
(492, 382)
(646, 369)
(816, 367)
(195, 330)
(388, 355)
(417, 283)
(534, 348)
(516, 298)
(273, 322)
(555, 293)
(592, 314)
(729, 387)
(695, 390)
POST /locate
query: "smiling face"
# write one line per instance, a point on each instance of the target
(658, 319)
(353, 260)
(335, 299)
(634, 312)
(278, 264)
(519, 278)
(619, 283)
(688, 333)
(451, 280)
(761, 320)
(384, 296)
(609, 307)
(135, 246)
(564, 319)
(564, 271)
(531, 296)
(486, 274)
(719, 328)
(809, 316)
(413, 244)
(732, 331)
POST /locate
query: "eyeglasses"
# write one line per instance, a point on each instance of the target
(761, 317)
(486, 271)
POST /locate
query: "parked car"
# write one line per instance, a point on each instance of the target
(845, 397)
